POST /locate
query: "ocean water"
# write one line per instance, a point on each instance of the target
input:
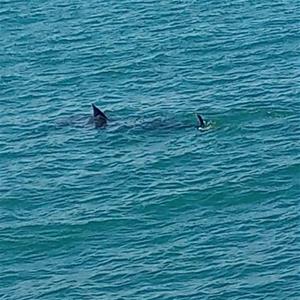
(150, 207)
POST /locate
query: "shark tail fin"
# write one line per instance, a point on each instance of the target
(200, 120)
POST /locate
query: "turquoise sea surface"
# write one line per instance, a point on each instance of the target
(150, 207)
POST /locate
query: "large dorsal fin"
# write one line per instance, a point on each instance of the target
(200, 121)
(98, 113)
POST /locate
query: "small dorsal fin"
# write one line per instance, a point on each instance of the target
(200, 121)
(98, 113)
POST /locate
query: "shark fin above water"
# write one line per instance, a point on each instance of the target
(98, 113)
(201, 122)
(99, 118)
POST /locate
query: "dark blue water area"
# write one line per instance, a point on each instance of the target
(150, 207)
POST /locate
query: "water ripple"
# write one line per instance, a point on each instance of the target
(149, 207)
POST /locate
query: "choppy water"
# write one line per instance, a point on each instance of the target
(150, 207)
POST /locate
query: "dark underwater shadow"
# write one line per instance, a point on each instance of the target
(158, 125)
(80, 121)
(151, 124)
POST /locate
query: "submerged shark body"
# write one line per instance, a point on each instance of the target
(99, 119)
